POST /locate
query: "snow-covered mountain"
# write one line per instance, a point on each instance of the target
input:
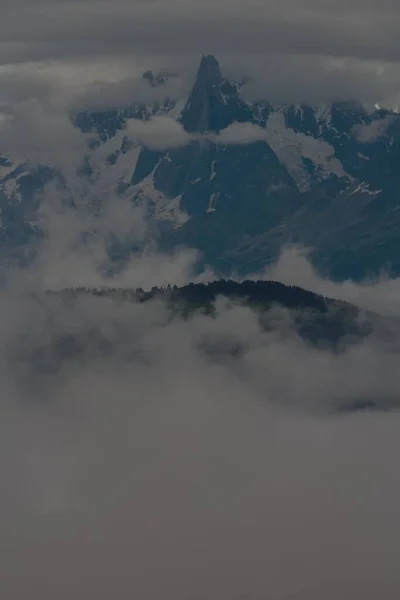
(247, 177)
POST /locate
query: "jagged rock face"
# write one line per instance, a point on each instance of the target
(375, 162)
(107, 123)
(214, 103)
(247, 181)
(20, 195)
(310, 179)
(245, 185)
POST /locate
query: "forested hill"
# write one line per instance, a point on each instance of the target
(316, 318)
(262, 293)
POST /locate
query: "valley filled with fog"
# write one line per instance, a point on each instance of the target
(200, 300)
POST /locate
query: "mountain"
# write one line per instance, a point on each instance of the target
(323, 176)
(354, 229)
(107, 123)
(212, 185)
(313, 180)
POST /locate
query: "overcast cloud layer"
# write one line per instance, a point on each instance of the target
(295, 49)
(365, 30)
(147, 469)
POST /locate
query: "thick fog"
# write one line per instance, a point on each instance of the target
(91, 52)
(145, 467)
(139, 465)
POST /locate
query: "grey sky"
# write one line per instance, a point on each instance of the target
(353, 45)
(360, 29)
(154, 472)
(58, 55)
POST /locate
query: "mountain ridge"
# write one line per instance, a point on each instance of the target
(312, 177)
(316, 318)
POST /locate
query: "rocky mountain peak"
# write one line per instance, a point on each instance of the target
(209, 69)
(214, 102)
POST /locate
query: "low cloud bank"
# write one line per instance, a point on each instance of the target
(294, 267)
(163, 133)
(151, 469)
(369, 133)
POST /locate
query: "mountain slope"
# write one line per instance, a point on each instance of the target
(240, 181)
(324, 176)
(312, 181)
(315, 318)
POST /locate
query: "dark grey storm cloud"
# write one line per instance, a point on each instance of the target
(154, 472)
(341, 47)
(365, 30)
(102, 95)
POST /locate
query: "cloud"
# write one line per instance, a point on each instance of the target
(241, 133)
(103, 95)
(146, 468)
(295, 49)
(318, 78)
(19, 86)
(373, 131)
(294, 267)
(81, 241)
(144, 465)
(43, 134)
(173, 27)
(163, 133)
(159, 133)
(38, 133)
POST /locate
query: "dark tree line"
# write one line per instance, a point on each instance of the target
(258, 292)
(316, 318)
(253, 292)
